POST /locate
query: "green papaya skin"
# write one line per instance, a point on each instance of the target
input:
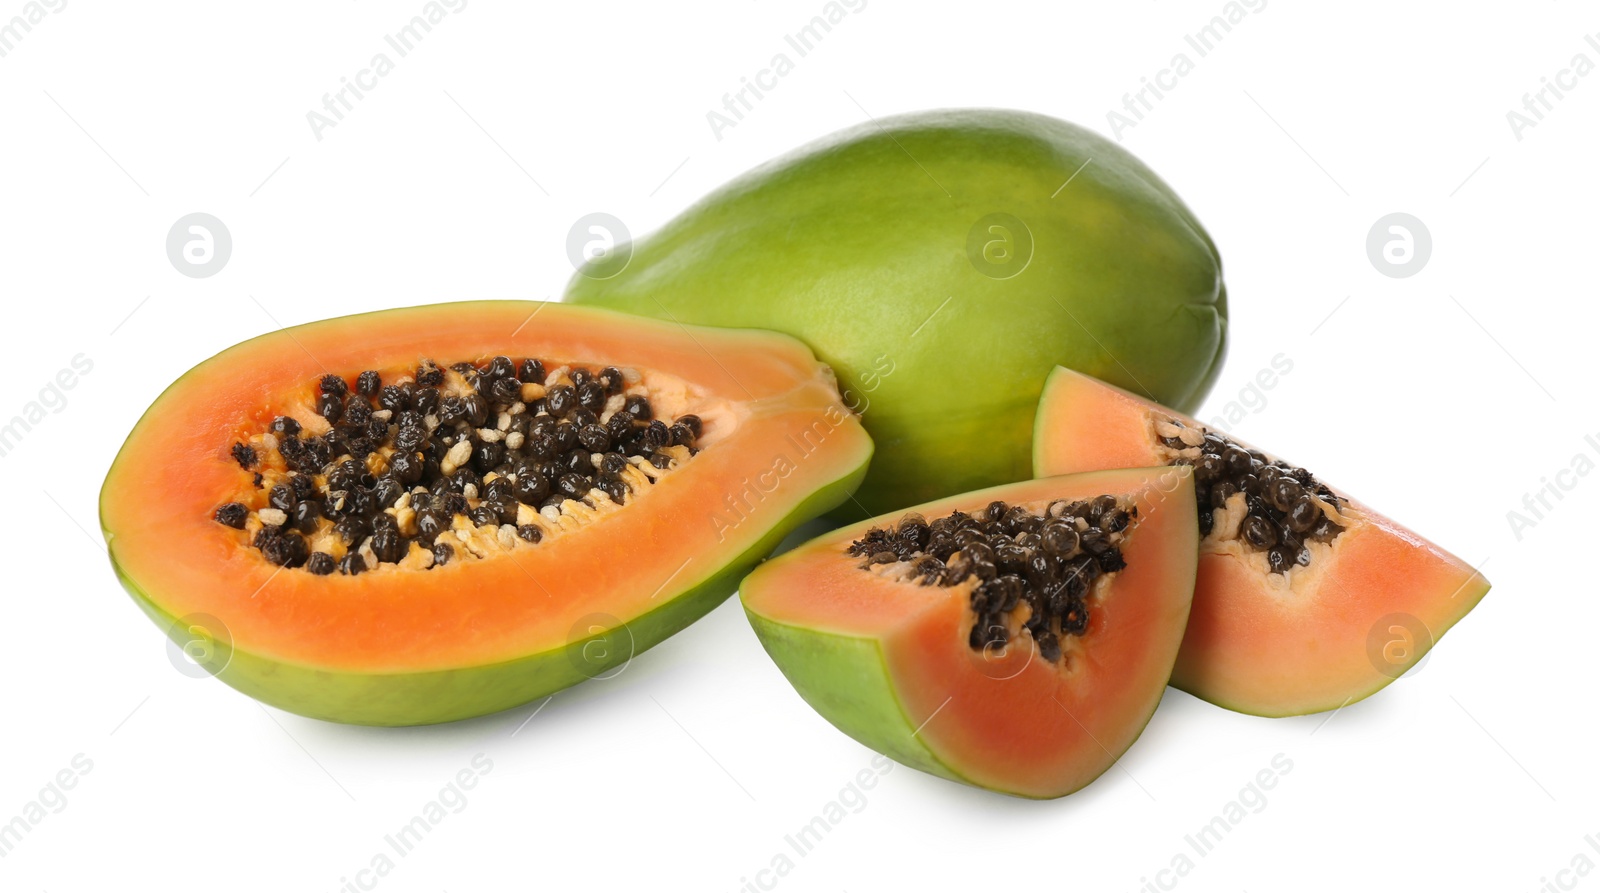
(868, 246)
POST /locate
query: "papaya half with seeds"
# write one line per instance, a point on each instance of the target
(427, 514)
(1017, 638)
(943, 262)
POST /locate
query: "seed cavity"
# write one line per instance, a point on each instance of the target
(446, 463)
(1267, 505)
(1032, 573)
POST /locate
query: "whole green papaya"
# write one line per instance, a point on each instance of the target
(943, 262)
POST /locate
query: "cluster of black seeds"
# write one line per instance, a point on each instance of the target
(508, 442)
(1282, 514)
(1047, 562)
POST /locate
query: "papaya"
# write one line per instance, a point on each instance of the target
(942, 263)
(1305, 600)
(426, 514)
(1016, 638)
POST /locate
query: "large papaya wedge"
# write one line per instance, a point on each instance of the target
(943, 263)
(1305, 599)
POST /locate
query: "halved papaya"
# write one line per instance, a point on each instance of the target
(1306, 600)
(432, 513)
(1017, 638)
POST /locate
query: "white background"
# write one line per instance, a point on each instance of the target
(1441, 399)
